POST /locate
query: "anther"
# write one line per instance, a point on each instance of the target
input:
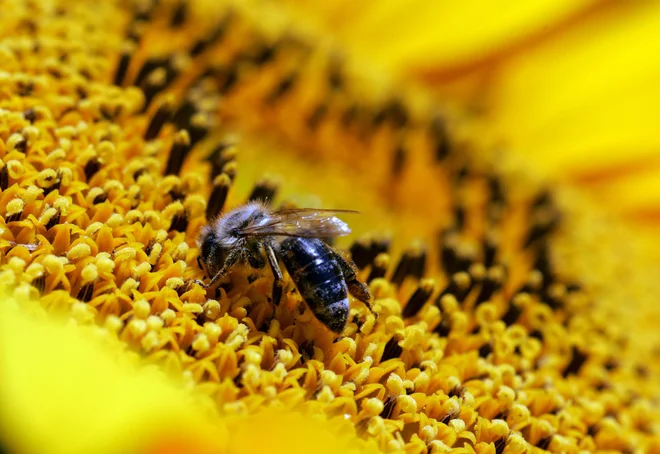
(179, 14)
(198, 127)
(39, 283)
(496, 191)
(135, 32)
(490, 244)
(86, 291)
(493, 281)
(216, 35)
(512, 315)
(335, 76)
(459, 286)
(419, 298)
(180, 221)
(221, 185)
(221, 155)
(392, 349)
(49, 180)
(394, 112)
(122, 66)
(4, 176)
(485, 350)
(399, 160)
(147, 68)
(53, 221)
(152, 85)
(533, 283)
(554, 295)
(543, 264)
(388, 407)
(264, 191)
(500, 445)
(144, 10)
(184, 114)
(379, 267)
(30, 115)
(439, 138)
(162, 115)
(448, 243)
(14, 210)
(364, 250)
(317, 116)
(263, 54)
(443, 328)
(230, 169)
(283, 87)
(578, 358)
(227, 78)
(544, 443)
(178, 152)
(17, 142)
(545, 219)
(412, 263)
(459, 216)
(465, 255)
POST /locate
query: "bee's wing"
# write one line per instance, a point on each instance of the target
(301, 222)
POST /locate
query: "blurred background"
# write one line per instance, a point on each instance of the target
(567, 87)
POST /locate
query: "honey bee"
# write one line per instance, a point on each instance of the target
(255, 235)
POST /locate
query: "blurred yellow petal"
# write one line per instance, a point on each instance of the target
(63, 391)
(294, 433)
(439, 37)
(588, 98)
(568, 85)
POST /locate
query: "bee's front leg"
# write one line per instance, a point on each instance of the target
(233, 257)
(278, 277)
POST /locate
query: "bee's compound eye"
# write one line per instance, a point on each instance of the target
(212, 253)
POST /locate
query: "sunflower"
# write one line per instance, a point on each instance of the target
(499, 318)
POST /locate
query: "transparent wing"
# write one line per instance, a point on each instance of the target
(301, 222)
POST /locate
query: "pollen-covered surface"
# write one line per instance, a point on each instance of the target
(484, 337)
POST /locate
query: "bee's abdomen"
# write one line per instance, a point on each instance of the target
(318, 278)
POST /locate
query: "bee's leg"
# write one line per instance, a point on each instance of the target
(202, 266)
(355, 287)
(278, 281)
(233, 257)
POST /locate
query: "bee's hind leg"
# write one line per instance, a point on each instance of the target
(278, 278)
(355, 287)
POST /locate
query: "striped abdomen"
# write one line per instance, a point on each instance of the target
(319, 279)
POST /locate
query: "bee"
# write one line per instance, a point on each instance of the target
(255, 235)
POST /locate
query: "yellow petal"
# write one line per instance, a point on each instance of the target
(65, 390)
(437, 36)
(583, 106)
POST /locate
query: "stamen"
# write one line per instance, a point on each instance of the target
(379, 268)
(178, 152)
(412, 263)
(578, 358)
(459, 286)
(162, 116)
(219, 157)
(221, 185)
(4, 176)
(419, 298)
(392, 349)
(264, 191)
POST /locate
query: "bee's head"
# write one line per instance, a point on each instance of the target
(213, 252)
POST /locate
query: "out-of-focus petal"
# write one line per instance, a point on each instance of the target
(64, 391)
(583, 106)
(439, 37)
